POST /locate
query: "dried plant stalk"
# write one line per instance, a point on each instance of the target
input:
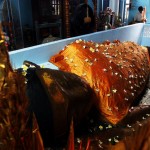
(19, 129)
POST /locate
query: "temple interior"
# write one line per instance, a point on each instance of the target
(75, 75)
(32, 22)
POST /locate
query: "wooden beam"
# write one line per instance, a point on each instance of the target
(95, 14)
(67, 20)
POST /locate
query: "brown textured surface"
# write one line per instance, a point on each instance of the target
(116, 71)
(131, 133)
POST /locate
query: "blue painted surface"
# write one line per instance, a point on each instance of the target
(90, 2)
(26, 12)
(41, 53)
(122, 9)
(146, 35)
(22, 11)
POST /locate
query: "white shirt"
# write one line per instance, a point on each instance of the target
(138, 17)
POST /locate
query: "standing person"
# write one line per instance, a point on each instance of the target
(144, 14)
(139, 17)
